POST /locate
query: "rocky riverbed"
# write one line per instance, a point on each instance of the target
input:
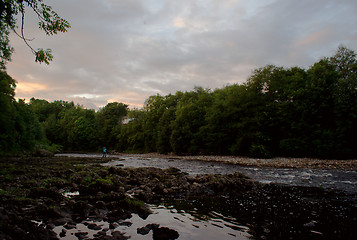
(278, 162)
(46, 198)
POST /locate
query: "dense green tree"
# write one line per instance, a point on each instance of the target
(155, 108)
(278, 112)
(345, 100)
(224, 131)
(77, 129)
(7, 112)
(48, 115)
(165, 124)
(28, 132)
(131, 137)
(280, 92)
(109, 121)
(20, 129)
(190, 117)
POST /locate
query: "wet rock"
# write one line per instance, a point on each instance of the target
(100, 234)
(81, 235)
(310, 224)
(126, 223)
(119, 236)
(164, 233)
(93, 226)
(63, 233)
(59, 221)
(69, 226)
(82, 209)
(50, 226)
(100, 204)
(145, 230)
(113, 225)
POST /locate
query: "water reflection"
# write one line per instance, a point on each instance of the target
(190, 224)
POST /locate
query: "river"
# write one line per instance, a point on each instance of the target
(344, 180)
(192, 224)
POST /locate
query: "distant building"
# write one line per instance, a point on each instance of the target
(126, 120)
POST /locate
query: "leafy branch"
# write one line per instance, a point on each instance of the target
(49, 22)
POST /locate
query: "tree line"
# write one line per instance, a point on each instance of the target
(293, 112)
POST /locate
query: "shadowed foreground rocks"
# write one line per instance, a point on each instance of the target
(34, 201)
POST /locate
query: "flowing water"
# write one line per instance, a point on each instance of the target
(329, 179)
(190, 223)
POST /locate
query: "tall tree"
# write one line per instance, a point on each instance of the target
(190, 118)
(109, 121)
(19, 127)
(345, 100)
(7, 111)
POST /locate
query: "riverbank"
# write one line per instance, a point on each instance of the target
(55, 198)
(254, 162)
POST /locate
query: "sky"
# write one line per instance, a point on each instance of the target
(128, 50)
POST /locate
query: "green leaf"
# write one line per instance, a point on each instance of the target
(44, 56)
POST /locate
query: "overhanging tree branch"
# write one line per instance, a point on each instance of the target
(49, 22)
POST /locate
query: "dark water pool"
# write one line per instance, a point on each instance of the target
(191, 225)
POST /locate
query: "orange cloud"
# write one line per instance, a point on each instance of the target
(29, 87)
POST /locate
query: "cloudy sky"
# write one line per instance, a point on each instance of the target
(128, 50)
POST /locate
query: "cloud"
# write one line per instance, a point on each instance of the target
(129, 50)
(179, 22)
(29, 87)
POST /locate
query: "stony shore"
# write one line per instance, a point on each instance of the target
(35, 199)
(273, 162)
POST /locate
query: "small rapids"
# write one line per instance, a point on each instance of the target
(342, 180)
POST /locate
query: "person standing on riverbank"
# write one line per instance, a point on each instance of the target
(104, 152)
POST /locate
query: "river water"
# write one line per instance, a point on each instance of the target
(191, 225)
(343, 180)
(213, 225)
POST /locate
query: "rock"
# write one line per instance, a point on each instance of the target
(126, 223)
(69, 226)
(50, 226)
(63, 233)
(164, 233)
(100, 204)
(81, 235)
(100, 234)
(93, 226)
(59, 221)
(119, 236)
(113, 225)
(310, 224)
(44, 153)
(143, 230)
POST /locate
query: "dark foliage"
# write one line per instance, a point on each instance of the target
(290, 112)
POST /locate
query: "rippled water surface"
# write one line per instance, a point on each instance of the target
(190, 225)
(330, 179)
